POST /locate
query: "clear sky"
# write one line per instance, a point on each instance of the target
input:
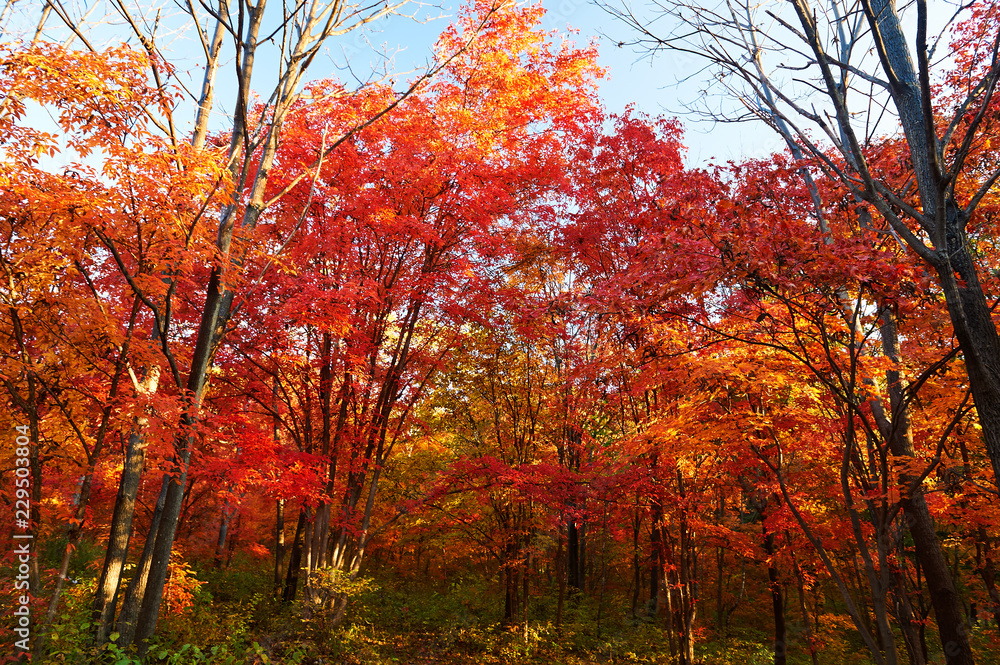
(650, 84)
(654, 86)
(657, 85)
(661, 85)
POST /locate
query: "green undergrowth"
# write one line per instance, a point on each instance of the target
(233, 619)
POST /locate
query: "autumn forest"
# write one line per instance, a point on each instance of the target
(457, 366)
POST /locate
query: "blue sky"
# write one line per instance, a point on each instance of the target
(653, 85)
(661, 85)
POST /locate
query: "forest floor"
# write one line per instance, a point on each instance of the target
(231, 618)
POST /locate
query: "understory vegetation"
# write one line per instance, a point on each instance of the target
(401, 617)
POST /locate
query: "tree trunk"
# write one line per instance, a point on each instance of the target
(688, 583)
(561, 574)
(220, 543)
(279, 545)
(214, 318)
(510, 594)
(295, 559)
(976, 334)
(777, 601)
(75, 530)
(163, 542)
(804, 609)
(657, 560)
(525, 589)
(967, 304)
(987, 572)
(908, 623)
(944, 595)
(140, 580)
(636, 562)
(573, 572)
(121, 531)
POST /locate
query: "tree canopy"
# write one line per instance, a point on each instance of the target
(476, 366)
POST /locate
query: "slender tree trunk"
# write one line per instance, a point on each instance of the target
(668, 604)
(140, 580)
(657, 561)
(636, 562)
(720, 609)
(875, 573)
(525, 588)
(603, 571)
(234, 537)
(907, 621)
(943, 593)
(279, 545)
(220, 542)
(804, 609)
(308, 554)
(561, 574)
(295, 558)
(121, 531)
(215, 317)
(163, 542)
(987, 572)
(985, 567)
(777, 601)
(75, 529)
(339, 611)
(279, 519)
(507, 581)
(573, 555)
(688, 587)
(208, 82)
